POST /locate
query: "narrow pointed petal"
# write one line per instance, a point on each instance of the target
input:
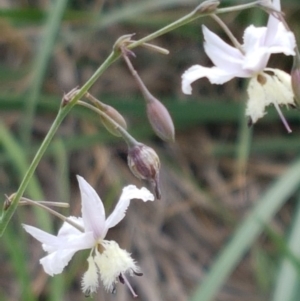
(51, 243)
(225, 57)
(256, 54)
(214, 75)
(93, 212)
(272, 23)
(42, 236)
(129, 192)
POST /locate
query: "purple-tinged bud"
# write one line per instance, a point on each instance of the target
(115, 116)
(160, 119)
(111, 112)
(158, 115)
(123, 41)
(295, 78)
(144, 164)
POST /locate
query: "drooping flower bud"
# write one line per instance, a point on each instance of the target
(295, 76)
(144, 164)
(160, 119)
(158, 115)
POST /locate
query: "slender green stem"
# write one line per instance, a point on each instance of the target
(229, 33)
(6, 215)
(46, 203)
(125, 135)
(64, 110)
(144, 90)
(49, 35)
(55, 213)
(187, 19)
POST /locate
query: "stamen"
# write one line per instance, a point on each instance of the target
(121, 279)
(129, 286)
(282, 118)
(250, 122)
(137, 274)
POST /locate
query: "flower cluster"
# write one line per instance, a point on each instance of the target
(266, 86)
(107, 260)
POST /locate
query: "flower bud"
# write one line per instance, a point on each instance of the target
(69, 96)
(144, 164)
(160, 119)
(110, 112)
(115, 116)
(295, 78)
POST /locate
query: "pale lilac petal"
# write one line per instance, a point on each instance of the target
(51, 243)
(93, 212)
(257, 60)
(129, 192)
(276, 4)
(214, 74)
(80, 241)
(224, 56)
(42, 236)
(272, 24)
(55, 262)
(283, 41)
(67, 229)
(256, 54)
(254, 37)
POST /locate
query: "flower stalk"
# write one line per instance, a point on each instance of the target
(63, 111)
(113, 124)
(157, 113)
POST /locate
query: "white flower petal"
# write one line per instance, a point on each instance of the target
(224, 56)
(256, 104)
(67, 229)
(55, 262)
(129, 192)
(93, 212)
(214, 75)
(283, 41)
(79, 241)
(279, 88)
(256, 54)
(276, 88)
(43, 237)
(113, 262)
(272, 23)
(257, 60)
(90, 283)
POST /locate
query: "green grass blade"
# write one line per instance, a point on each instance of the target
(247, 232)
(131, 10)
(47, 44)
(288, 279)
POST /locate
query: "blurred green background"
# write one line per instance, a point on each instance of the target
(227, 227)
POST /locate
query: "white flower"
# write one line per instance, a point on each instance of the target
(259, 44)
(106, 259)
